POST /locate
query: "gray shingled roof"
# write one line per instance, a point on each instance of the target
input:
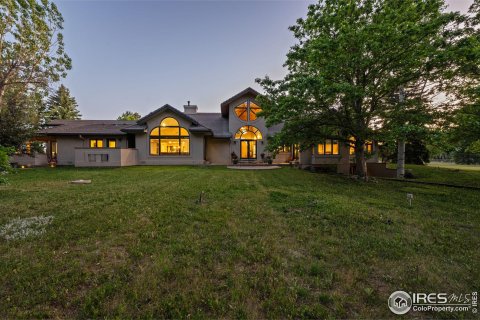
(166, 107)
(86, 127)
(215, 122)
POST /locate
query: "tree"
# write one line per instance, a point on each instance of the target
(129, 115)
(20, 118)
(31, 47)
(62, 106)
(350, 59)
(465, 132)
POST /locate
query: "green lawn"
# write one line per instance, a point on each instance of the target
(264, 244)
(454, 166)
(464, 175)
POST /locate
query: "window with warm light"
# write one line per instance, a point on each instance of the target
(368, 147)
(247, 111)
(169, 139)
(112, 143)
(329, 147)
(248, 133)
(96, 143)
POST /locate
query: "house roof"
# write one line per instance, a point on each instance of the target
(215, 122)
(86, 127)
(164, 108)
(252, 93)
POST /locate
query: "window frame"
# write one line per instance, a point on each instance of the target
(114, 143)
(330, 143)
(248, 110)
(96, 144)
(180, 137)
(252, 129)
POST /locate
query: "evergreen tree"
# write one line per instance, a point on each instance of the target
(62, 106)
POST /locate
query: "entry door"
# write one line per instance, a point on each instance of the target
(248, 149)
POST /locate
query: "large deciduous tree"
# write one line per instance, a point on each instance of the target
(31, 46)
(352, 56)
(465, 132)
(62, 105)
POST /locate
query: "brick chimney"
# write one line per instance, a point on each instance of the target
(190, 108)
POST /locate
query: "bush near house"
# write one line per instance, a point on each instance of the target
(5, 166)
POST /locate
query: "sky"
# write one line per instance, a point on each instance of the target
(140, 55)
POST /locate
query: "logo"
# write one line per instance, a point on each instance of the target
(400, 302)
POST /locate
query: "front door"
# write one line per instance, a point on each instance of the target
(248, 149)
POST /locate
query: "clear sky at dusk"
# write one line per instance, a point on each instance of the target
(139, 55)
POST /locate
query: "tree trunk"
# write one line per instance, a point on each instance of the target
(401, 143)
(361, 164)
(401, 159)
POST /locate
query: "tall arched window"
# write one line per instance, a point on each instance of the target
(247, 111)
(169, 139)
(248, 133)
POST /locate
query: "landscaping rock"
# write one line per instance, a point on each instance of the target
(81, 181)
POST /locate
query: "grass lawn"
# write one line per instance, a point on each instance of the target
(454, 166)
(272, 243)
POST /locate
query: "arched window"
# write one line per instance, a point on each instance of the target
(248, 133)
(247, 111)
(169, 139)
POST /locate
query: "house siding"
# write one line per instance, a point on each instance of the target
(142, 141)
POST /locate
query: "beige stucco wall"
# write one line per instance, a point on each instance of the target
(89, 157)
(195, 157)
(129, 157)
(282, 157)
(66, 149)
(67, 145)
(36, 160)
(218, 151)
(234, 123)
(83, 157)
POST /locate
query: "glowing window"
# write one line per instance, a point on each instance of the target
(112, 143)
(368, 146)
(96, 143)
(247, 111)
(248, 133)
(169, 122)
(328, 147)
(169, 139)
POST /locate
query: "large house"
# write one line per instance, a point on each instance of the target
(168, 136)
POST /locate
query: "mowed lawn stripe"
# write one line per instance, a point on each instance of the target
(273, 243)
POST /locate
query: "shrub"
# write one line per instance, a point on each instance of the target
(5, 166)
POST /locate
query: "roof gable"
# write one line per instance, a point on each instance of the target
(164, 108)
(249, 92)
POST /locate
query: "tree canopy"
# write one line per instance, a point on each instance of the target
(129, 115)
(351, 60)
(32, 54)
(62, 106)
(20, 117)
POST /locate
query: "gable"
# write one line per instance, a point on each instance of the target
(158, 112)
(153, 119)
(247, 93)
